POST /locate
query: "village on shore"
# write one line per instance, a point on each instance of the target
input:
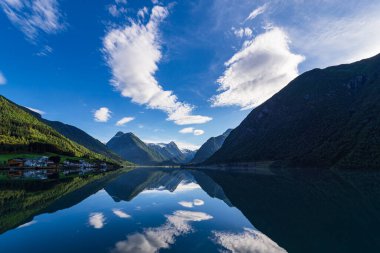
(44, 167)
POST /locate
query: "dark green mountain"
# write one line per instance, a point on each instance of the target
(210, 147)
(22, 130)
(82, 138)
(129, 147)
(323, 118)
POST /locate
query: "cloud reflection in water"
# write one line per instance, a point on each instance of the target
(153, 239)
(249, 241)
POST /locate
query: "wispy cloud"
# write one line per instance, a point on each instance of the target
(3, 80)
(121, 214)
(124, 121)
(262, 67)
(36, 110)
(256, 12)
(328, 39)
(132, 53)
(191, 130)
(34, 16)
(103, 114)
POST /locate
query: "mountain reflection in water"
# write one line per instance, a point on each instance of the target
(177, 210)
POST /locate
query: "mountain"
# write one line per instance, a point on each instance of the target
(167, 151)
(210, 147)
(188, 155)
(323, 118)
(82, 138)
(128, 146)
(22, 130)
(171, 152)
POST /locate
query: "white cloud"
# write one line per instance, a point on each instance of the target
(330, 40)
(198, 132)
(256, 12)
(186, 204)
(28, 224)
(116, 10)
(249, 241)
(96, 220)
(36, 110)
(242, 32)
(187, 130)
(142, 12)
(154, 239)
(33, 17)
(124, 121)
(198, 202)
(132, 53)
(190, 204)
(121, 214)
(3, 80)
(191, 130)
(103, 114)
(262, 67)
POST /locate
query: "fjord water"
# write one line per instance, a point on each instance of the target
(177, 210)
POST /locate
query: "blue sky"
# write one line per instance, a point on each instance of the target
(171, 70)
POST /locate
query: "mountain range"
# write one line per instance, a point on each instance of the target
(210, 147)
(323, 118)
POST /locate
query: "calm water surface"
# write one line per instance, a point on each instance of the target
(172, 210)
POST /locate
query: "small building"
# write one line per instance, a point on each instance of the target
(16, 162)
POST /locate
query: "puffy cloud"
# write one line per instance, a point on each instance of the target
(186, 203)
(34, 16)
(198, 202)
(132, 53)
(96, 220)
(36, 110)
(103, 114)
(3, 80)
(121, 214)
(190, 204)
(198, 132)
(248, 241)
(154, 239)
(256, 12)
(262, 67)
(191, 130)
(187, 130)
(124, 121)
(242, 32)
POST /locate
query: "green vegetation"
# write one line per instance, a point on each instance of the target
(323, 118)
(22, 131)
(22, 200)
(79, 136)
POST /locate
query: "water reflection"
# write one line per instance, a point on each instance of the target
(153, 239)
(152, 210)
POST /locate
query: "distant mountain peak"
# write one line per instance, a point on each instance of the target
(118, 134)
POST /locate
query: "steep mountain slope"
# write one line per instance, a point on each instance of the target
(188, 155)
(167, 151)
(82, 138)
(210, 147)
(23, 131)
(128, 146)
(171, 152)
(323, 118)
